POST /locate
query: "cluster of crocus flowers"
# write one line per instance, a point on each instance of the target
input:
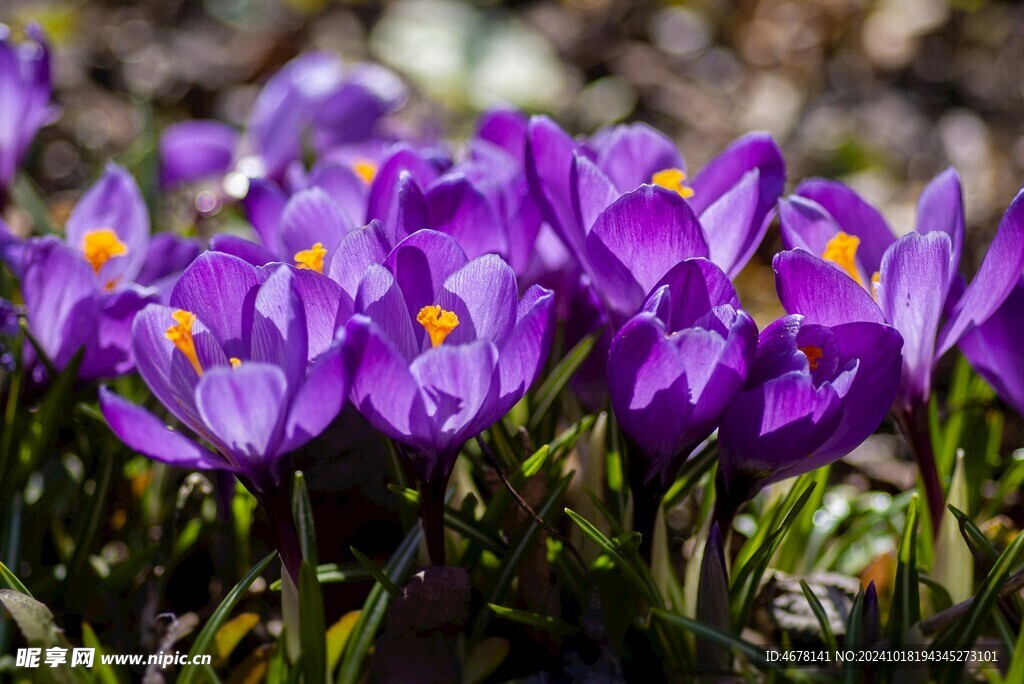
(422, 282)
(845, 264)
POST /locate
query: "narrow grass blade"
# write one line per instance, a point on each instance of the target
(204, 641)
(536, 620)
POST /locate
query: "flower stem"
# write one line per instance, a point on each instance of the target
(913, 423)
(277, 504)
(432, 517)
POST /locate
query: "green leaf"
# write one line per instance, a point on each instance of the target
(753, 654)
(690, 475)
(747, 579)
(302, 510)
(1016, 671)
(484, 659)
(375, 607)
(819, 613)
(454, 519)
(203, 643)
(953, 567)
(906, 602)
(964, 632)
(542, 622)
(614, 552)
(941, 600)
(560, 375)
(375, 571)
(854, 636)
(516, 554)
(103, 672)
(9, 580)
(40, 630)
(313, 626)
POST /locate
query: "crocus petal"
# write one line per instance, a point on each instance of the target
(630, 154)
(504, 128)
(997, 276)
(383, 191)
(648, 389)
(380, 298)
(483, 295)
(264, 204)
(219, 289)
(193, 150)
(754, 150)
(993, 348)
(311, 216)
(383, 389)
(168, 255)
(348, 115)
(911, 292)
(774, 426)
(853, 216)
(409, 212)
(341, 183)
(637, 240)
(356, 252)
(458, 209)
(876, 351)
(114, 203)
(242, 407)
(549, 161)
(941, 207)
(279, 327)
(526, 348)
(421, 263)
(805, 224)
(147, 434)
(246, 250)
(326, 307)
(732, 226)
(167, 372)
(821, 293)
(318, 401)
(460, 386)
(61, 298)
(109, 353)
(593, 192)
(698, 287)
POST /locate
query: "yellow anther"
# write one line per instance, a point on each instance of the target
(673, 179)
(312, 258)
(365, 169)
(437, 322)
(876, 280)
(100, 246)
(813, 354)
(181, 335)
(842, 251)
(235, 361)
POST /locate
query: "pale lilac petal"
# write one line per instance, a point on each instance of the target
(147, 434)
(911, 291)
(821, 293)
(483, 295)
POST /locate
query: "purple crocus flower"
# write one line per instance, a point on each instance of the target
(845, 264)
(314, 96)
(672, 370)
(25, 90)
(621, 204)
(815, 391)
(86, 290)
(243, 357)
(993, 348)
(439, 349)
